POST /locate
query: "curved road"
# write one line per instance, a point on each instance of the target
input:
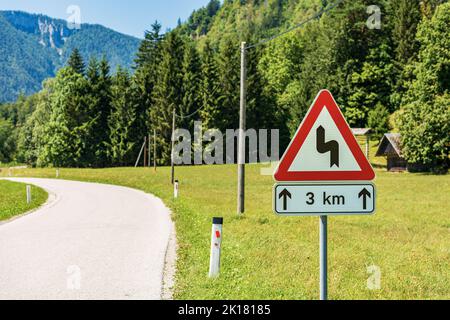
(91, 241)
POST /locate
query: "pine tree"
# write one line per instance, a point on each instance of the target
(191, 100)
(229, 80)
(347, 57)
(92, 71)
(76, 62)
(260, 108)
(146, 52)
(121, 143)
(99, 104)
(147, 63)
(371, 86)
(406, 19)
(209, 91)
(167, 94)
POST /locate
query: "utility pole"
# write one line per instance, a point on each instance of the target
(149, 139)
(154, 149)
(145, 152)
(173, 146)
(368, 146)
(242, 128)
(140, 153)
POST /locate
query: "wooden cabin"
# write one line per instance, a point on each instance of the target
(390, 147)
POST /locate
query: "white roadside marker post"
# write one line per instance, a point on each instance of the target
(216, 247)
(28, 194)
(176, 188)
(57, 173)
(10, 172)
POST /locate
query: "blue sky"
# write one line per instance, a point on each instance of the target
(130, 17)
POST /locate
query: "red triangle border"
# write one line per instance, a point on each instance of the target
(324, 100)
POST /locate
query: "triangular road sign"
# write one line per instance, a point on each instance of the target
(324, 148)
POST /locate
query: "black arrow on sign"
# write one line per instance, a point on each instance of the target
(365, 194)
(285, 194)
(331, 146)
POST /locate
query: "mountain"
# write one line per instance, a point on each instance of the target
(33, 47)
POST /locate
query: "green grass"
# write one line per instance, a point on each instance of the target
(268, 257)
(13, 199)
(10, 164)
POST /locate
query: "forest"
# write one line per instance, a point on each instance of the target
(394, 78)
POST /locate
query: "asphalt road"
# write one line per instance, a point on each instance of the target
(91, 241)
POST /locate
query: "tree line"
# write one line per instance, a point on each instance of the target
(393, 78)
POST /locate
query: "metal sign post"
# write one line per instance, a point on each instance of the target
(323, 258)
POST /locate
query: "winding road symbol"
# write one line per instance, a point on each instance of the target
(325, 147)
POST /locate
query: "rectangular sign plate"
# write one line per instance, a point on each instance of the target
(319, 199)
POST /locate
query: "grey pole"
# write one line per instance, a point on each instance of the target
(173, 146)
(154, 149)
(139, 157)
(145, 152)
(323, 258)
(149, 151)
(242, 128)
(368, 147)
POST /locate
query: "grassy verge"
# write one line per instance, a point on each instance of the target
(267, 257)
(13, 199)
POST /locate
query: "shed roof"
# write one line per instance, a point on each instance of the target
(361, 131)
(391, 143)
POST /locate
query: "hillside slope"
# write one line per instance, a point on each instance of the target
(33, 47)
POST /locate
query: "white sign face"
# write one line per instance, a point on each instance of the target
(324, 199)
(310, 159)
